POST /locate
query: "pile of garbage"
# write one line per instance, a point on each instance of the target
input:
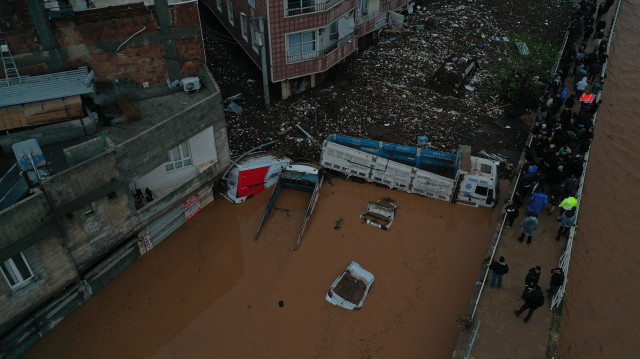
(420, 80)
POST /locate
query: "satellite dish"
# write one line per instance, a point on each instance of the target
(90, 78)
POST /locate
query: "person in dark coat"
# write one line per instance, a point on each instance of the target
(533, 299)
(533, 277)
(513, 210)
(498, 269)
(557, 278)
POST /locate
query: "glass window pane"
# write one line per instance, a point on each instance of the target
(168, 167)
(168, 156)
(309, 36)
(178, 164)
(333, 27)
(187, 162)
(185, 150)
(22, 267)
(175, 153)
(293, 4)
(295, 49)
(309, 46)
(294, 38)
(9, 274)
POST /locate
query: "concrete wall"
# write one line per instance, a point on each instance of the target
(50, 134)
(92, 36)
(202, 150)
(23, 222)
(84, 151)
(53, 269)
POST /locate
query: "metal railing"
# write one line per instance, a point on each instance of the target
(309, 7)
(311, 55)
(372, 14)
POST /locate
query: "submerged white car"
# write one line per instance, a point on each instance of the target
(350, 289)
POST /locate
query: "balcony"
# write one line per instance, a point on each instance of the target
(302, 7)
(320, 53)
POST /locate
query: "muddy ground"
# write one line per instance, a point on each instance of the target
(387, 90)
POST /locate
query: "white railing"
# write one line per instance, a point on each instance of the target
(565, 258)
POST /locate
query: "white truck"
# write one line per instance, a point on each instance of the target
(459, 178)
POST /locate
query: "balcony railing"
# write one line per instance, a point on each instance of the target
(320, 53)
(310, 6)
(372, 14)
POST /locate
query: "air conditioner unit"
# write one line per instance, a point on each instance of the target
(190, 84)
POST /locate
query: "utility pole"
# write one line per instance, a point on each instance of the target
(263, 55)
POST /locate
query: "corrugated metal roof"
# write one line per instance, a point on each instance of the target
(46, 87)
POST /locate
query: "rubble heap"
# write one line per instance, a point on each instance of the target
(421, 80)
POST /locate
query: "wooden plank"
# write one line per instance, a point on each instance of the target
(55, 116)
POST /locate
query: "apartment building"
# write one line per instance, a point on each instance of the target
(302, 38)
(118, 153)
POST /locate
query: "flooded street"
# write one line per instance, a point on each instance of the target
(210, 290)
(601, 304)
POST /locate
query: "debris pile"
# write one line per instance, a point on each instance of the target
(420, 80)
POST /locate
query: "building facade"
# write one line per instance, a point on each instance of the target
(136, 163)
(302, 38)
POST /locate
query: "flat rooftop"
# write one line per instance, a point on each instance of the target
(113, 121)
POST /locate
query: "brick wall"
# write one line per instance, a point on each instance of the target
(91, 37)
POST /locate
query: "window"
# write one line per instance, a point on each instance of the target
(16, 270)
(178, 157)
(230, 12)
(252, 3)
(219, 5)
(301, 43)
(254, 38)
(295, 7)
(481, 190)
(485, 168)
(333, 31)
(363, 7)
(243, 26)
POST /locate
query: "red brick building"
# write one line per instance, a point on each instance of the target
(304, 38)
(127, 40)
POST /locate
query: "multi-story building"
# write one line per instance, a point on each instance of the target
(130, 154)
(303, 38)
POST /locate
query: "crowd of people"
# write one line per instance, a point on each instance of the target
(562, 134)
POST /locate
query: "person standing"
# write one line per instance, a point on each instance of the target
(513, 209)
(498, 269)
(533, 277)
(567, 220)
(568, 204)
(557, 278)
(537, 201)
(528, 225)
(533, 299)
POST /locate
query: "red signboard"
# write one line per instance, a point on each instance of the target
(191, 206)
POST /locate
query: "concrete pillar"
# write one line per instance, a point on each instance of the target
(168, 41)
(313, 80)
(285, 87)
(42, 24)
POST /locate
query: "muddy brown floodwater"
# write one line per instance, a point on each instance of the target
(210, 290)
(602, 309)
